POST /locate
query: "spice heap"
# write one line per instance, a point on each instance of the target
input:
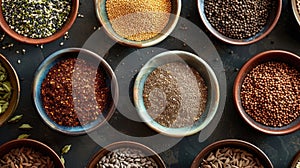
(36, 18)
(230, 157)
(238, 19)
(126, 157)
(5, 90)
(25, 157)
(138, 20)
(75, 92)
(175, 95)
(270, 94)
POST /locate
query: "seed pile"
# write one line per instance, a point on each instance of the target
(175, 95)
(238, 19)
(25, 157)
(126, 157)
(5, 89)
(75, 92)
(36, 18)
(270, 94)
(230, 157)
(298, 6)
(138, 20)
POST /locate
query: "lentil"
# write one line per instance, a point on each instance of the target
(25, 157)
(126, 157)
(36, 18)
(270, 94)
(238, 19)
(138, 20)
(175, 95)
(5, 89)
(230, 157)
(75, 92)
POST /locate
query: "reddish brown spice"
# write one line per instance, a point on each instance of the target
(75, 92)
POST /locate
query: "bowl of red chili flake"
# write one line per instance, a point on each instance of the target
(75, 91)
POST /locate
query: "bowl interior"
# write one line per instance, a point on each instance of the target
(275, 55)
(103, 18)
(271, 22)
(15, 83)
(193, 61)
(43, 70)
(67, 25)
(34, 144)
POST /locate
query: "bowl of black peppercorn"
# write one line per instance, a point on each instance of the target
(240, 22)
(37, 22)
(266, 92)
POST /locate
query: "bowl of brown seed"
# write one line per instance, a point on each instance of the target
(240, 22)
(231, 153)
(75, 91)
(9, 89)
(126, 154)
(176, 93)
(28, 153)
(37, 22)
(139, 23)
(266, 92)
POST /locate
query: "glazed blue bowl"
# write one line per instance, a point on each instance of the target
(41, 74)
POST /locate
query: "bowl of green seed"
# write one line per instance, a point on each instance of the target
(9, 89)
(39, 21)
(138, 23)
(240, 22)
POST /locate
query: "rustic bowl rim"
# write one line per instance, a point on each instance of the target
(67, 25)
(228, 40)
(102, 17)
(119, 144)
(214, 93)
(43, 70)
(232, 143)
(270, 55)
(35, 144)
(15, 82)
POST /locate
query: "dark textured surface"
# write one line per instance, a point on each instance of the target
(280, 149)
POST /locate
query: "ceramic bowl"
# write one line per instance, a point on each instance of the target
(271, 55)
(271, 23)
(204, 70)
(35, 145)
(67, 25)
(15, 83)
(296, 10)
(126, 144)
(87, 55)
(103, 18)
(295, 161)
(233, 143)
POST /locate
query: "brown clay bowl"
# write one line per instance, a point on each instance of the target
(272, 55)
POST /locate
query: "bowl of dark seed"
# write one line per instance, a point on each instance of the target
(9, 89)
(38, 21)
(266, 92)
(28, 153)
(231, 153)
(138, 23)
(176, 93)
(240, 22)
(126, 154)
(75, 91)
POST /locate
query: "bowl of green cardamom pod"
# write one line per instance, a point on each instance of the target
(9, 89)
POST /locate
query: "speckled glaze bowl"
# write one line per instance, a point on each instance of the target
(103, 18)
(199, 65)
(271, 55)
(63, 54)
(67, 25)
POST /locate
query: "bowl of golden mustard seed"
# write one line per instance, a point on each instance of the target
(75, 91)
(176, 93)
(38, 21)
(138, 23)
(266, 92)
(240, 22)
